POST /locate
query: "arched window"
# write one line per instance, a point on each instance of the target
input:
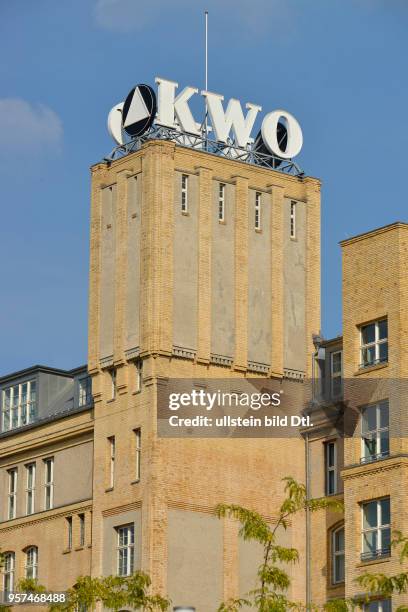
(31, 566)
(338, 565)
(8, 571)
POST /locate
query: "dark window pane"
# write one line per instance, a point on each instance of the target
(369, 419)
(383, 351)
(336, 361)
(370, 445)
(339, 540)
(370, 515)
(383, 329)
(384, 443)
(383, 409)
(330, 455)
(368, 333)
(368, 355)
(386, 539)
(385, 511)
(339, 568)
(370, 542)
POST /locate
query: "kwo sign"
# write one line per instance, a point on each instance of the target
(170, 109)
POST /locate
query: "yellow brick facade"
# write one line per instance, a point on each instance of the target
(154, 304)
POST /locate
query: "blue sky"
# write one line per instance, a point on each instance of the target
(338, 65)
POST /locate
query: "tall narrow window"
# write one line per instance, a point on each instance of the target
(138, 449)
(85, 392)
(112, 374)
(374, 343)
(30, 488)
(331, 468)
(139, 375)
(221, 202)
(8, 572)
(81, 529)
(376, 532)
(12, 493)
(125, 549)
(257, 210)
(112, 453)
(184, 193)
(69, 532)
(375, 433)
(338, 558)
(31, 565)
(336, 373)
(49, 483)
(293, 219)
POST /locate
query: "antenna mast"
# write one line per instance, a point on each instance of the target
(206, 74)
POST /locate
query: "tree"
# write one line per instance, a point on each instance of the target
(114, 593)
(273, 580)
(385, 586)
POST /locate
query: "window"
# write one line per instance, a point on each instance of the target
(336, 373)
(30, 488)
(112, 452)
(376, 529)
(18, 405)
(138, 444)
(8, 572)
(126, 546)
(139, 375)
(257, 211)
(331, 468)
(112, 374)
(338, 558)
(12, 493)
(48, 483)
(221, 202)
(85, 391)
(184, 193)
(374, 343)
(375, 433)
(293, 219)
(31, 566)
(381, 605)
(81, 529)
(69, 532)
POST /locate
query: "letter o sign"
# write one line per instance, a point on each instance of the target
(269, 131)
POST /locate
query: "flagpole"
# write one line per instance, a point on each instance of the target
(206, 74)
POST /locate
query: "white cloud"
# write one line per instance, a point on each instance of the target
(28, 128)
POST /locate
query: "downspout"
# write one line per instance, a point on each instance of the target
(308, 548)
(308, 496)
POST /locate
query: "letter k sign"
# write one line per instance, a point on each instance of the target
(170, 107)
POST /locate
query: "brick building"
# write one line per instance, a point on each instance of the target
(204, 267)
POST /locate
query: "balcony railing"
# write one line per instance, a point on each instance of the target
(376, 554)
(376, 457)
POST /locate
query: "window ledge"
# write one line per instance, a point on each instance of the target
(384, 559)
(135, 481)
(79, 548)
(109, 489)
(336, 585)
(66, 551)
(373, 368)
